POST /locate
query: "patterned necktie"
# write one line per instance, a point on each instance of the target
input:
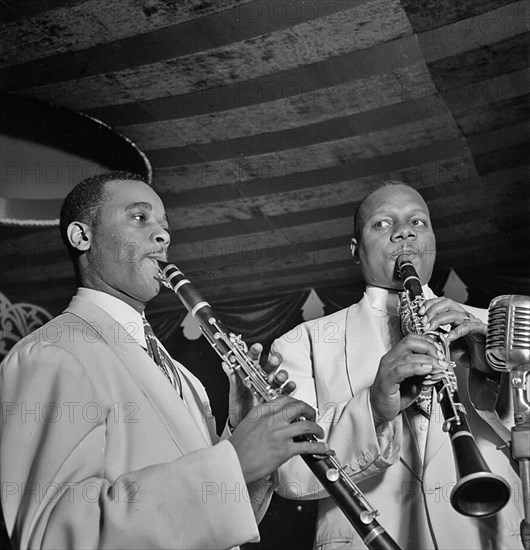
(424, 402)
(161, 358)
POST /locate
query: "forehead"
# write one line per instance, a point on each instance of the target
(121, 193)
(394, 198)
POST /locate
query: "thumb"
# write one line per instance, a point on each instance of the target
(230, 372)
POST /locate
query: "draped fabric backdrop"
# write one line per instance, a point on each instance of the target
(265, 122)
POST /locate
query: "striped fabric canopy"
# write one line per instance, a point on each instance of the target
(265, 122)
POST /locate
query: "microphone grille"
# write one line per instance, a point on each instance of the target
(508, 329)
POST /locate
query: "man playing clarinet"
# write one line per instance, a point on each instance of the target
(357, 367)
(105, 441)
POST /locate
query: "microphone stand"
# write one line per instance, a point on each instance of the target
(520, 444)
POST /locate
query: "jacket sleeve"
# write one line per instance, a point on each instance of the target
(363, 449)
(56, 492)
(259, 491)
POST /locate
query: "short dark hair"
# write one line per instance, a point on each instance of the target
(84, 201)
(358, 218)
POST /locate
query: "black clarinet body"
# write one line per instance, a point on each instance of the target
(326, 468)
(478, 492)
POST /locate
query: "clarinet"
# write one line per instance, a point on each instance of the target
(478, 492)
(234, 352)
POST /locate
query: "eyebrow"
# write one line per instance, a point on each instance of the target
(389, 211)
(133, 205)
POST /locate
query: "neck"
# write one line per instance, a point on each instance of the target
(107, 289)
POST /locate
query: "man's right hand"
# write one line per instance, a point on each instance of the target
(414, 355)
(264, 439)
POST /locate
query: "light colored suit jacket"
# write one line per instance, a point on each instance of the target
(98, 451)
(334, 361)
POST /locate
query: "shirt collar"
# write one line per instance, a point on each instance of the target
(383, 299)
(127, 316)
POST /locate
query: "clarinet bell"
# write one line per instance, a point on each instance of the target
(478, 492)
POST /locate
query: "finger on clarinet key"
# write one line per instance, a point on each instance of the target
(434, 377)
(254, 351)
(279, 378)
(289, 388)
(273, 362)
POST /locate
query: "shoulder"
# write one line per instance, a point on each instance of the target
(66, 356)
(65, 343)
(307, 326)
(314, 331)
(61, 331)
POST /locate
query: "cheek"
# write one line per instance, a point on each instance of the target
(373, 253)
(128, 253)
(429, 243)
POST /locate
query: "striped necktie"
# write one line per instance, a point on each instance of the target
(161, 358)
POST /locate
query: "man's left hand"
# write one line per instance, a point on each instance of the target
(241, 398)
(444, 311)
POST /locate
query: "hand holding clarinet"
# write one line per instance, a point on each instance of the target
(266, 434)
(416, 362)
(282, 426)
(241, 398)
(262, 417)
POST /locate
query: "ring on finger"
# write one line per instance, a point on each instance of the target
(467, 317)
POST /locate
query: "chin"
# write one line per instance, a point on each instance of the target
(154, 293)
(150, 291)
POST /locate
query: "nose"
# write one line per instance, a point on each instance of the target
(161, 236)
(403, 231)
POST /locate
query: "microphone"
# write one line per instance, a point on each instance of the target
(508, 337)
(508, 350)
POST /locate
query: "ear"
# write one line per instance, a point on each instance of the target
(354, 250)
(79, 235)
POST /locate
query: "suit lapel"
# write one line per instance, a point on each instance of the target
(364, 346)
(198, 404)
(181, 424)
(436, 437)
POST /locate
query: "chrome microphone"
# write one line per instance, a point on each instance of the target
(508, 350)
(508, 339)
